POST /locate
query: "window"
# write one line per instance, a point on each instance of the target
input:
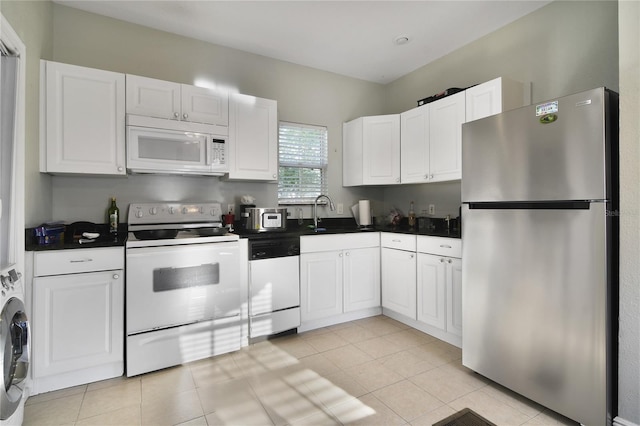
(303, 157)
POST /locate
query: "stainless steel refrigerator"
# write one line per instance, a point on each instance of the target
(539, 252)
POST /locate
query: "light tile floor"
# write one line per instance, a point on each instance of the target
(374, 371)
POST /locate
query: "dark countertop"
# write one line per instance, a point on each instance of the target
(106, 239)
(340, 226)
(294, 229)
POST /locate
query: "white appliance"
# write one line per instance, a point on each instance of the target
(539, 252)
(14, 341)
(14, 324)
(176, 148)
(274, 284)
(183, 290)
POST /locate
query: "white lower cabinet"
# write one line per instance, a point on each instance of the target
(321, 284)
(398, 269)
(78, 320)
(440, 292)
(361, 279)
(439, 282)
(399, 281)
(338, 285)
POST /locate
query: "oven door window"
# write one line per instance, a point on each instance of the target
(167, 279)
(176, 285)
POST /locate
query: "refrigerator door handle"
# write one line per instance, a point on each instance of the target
(528, 205)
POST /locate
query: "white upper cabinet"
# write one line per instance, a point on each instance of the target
(82, 120)
(493, 97)
(174, 101)
(431, 141)
(371, 150)
(253, 138)
(446, 117)
(414, 145)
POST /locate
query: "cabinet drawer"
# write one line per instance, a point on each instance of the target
(315, 243)
(76, 261)
(442, 246)
(398, 241)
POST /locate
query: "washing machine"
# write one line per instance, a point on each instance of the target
(14, 343)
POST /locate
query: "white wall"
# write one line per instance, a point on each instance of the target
(304, 95)
(32, 21)
(562, 48)
(629, 337)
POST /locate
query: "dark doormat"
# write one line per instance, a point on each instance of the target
(465, 417)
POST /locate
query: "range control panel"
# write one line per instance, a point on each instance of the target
(155, 213)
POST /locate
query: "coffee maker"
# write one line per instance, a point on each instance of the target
(244, 214)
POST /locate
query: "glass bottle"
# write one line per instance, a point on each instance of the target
(412, 216)
(113, 216)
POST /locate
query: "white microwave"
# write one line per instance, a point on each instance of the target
(176, 148)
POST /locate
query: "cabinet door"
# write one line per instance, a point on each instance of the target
(352, 153)
(84, 119)
(361, 278)
(414, 145)
(320, 285)
(446, 117)
(432, 290)
(381, 150)
(399, 281)
(202, 105)
(253, 138)
(153, 98)
(493, 97)
(484, 100)
(78, 321)
(454, 296)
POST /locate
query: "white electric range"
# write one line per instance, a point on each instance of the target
(183, 289)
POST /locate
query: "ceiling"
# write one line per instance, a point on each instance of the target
(351, 38)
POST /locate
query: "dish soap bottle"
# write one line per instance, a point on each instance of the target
(113, 216)
(412, 216)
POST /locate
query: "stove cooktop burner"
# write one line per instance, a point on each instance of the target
(156, 234)
(165, 221)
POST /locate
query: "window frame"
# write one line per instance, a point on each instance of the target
(318, 162)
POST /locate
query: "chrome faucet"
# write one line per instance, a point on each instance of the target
(332, 207)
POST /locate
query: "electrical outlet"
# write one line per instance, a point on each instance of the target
(432, 209)
(340, 208)
(231, 208)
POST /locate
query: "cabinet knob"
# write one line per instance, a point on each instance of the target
(340, 254)
(116, 276)
(274, 176)
(397, 179)
(430, 176)
(185, 115)
(120, 168)
(346, 254)
(176, 115)
(410, 256)
(449, 261)
(441, 260)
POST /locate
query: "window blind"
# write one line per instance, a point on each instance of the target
(303, 159)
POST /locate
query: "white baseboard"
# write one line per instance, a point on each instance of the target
(618, 421)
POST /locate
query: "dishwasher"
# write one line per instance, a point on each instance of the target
(274, 285)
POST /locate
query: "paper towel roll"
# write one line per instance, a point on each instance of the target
(364, 212)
